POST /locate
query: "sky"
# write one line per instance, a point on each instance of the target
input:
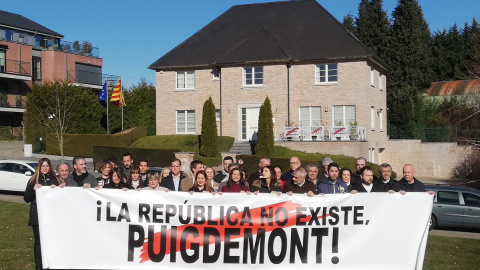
(132, 34)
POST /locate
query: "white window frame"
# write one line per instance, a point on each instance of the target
(380, 81)
(328, 68)
(185, 118)
(372, 75)
(185, 74)
(343, 107)
(217, 115)
(372, 118)
(380, 119)
(310, 118)
(255, 72)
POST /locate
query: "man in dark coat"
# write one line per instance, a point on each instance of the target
(367, 185)
(299, 183)
(294, 164)
(409, 183)
(174, 180)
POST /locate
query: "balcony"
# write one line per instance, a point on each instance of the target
(12, 106)
(324, 133)
(17, 70)
(89, 79)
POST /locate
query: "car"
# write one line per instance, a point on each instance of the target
(455, 206)
(473, 184)
(14, 174)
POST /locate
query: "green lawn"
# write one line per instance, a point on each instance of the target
(16, 244)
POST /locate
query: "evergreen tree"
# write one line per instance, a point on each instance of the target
(373, 27)
(411, 65)
(140, 109)
(265, 138)
(348, 23)
(208, 137)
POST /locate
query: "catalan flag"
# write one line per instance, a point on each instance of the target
(117, 95)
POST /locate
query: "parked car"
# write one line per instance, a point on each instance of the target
(455, 206)
(14, 174)
(473, 184)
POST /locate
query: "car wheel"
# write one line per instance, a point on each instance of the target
(433, 222)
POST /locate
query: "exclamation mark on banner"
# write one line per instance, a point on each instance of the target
(335, 259)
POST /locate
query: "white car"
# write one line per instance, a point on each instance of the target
(14, 174)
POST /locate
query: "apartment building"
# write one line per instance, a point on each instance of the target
(323, 83)
(32, 53)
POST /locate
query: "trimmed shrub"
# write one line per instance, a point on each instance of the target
(265, 141)
(208, 137)
(82, 144)
(155, 157)
(6, 134)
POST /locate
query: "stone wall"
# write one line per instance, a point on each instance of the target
(431, 160)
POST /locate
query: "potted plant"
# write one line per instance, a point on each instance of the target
(3, 99)
(353, 130)
(76, 46)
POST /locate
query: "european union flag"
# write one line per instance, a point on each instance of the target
(103, 95)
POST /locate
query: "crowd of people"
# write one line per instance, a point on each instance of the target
(232, 178)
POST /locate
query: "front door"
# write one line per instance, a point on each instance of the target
(249, 124)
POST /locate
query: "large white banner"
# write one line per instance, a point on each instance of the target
(116, 229)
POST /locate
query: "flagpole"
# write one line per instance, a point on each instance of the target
(121, 99)
(108, 101)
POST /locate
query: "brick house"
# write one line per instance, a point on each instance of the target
(323, 83)
(31, 53)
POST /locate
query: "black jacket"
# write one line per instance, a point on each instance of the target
(167, 182)
(417, 186)
(118, 186)
(377, 187)
(260, 185)
(30, 196)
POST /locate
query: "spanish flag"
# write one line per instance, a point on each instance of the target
(117, 95)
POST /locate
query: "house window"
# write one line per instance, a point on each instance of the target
(380, 84)
(253, 76)
(216, 74)
(3, 69)
(326, 73)
(343, 115)
(217, 115)
(185, 79)
(186, 122)
(372, 70)
(311, 116)
(37, 68)
(380, 119)
(372, 118)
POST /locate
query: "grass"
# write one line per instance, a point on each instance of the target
(16, 244)
(16, 238)
(452, 253)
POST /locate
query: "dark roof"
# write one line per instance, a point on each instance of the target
(18, 21)
(462, 87)
(270, 32)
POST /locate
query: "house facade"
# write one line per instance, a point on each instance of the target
(31, 53)
(323, 84)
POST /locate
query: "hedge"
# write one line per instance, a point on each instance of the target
(250, 163)
(83, 144)
(6, 134)
(155, 157)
